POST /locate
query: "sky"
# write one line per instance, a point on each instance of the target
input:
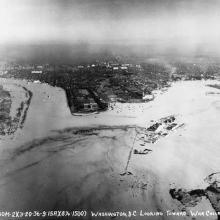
(163, 22)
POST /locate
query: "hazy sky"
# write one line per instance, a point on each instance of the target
(186, 22)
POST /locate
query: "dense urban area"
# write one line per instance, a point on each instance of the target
(92, 86)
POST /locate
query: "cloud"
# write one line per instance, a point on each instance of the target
(167, 22)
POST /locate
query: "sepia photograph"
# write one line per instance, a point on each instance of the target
(110, 109)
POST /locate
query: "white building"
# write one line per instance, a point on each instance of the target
(36, 71)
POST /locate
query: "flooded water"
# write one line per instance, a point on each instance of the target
(62, 162)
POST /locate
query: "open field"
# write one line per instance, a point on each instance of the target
(64, 162)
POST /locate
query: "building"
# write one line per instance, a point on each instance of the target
(124, 68)
(90, 105)
(36, 71)
(112, 98)
(148, 97)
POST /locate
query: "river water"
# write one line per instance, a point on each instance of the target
(50, 166)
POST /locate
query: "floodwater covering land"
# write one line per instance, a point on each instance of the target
(159, 158)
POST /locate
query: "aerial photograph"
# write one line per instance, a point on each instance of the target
(110, 109)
